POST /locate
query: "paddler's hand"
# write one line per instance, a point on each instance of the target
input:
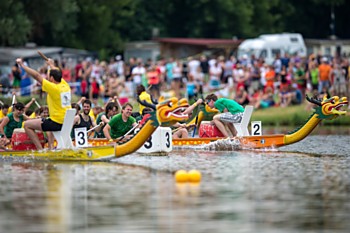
(199, 101)
(50, 62)
(191, 125)
(19, 61)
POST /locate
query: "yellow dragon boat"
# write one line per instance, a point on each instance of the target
(167, 113)
(326, 109)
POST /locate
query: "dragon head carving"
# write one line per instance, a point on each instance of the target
(171, 111)
(205, 113)
(329, 108)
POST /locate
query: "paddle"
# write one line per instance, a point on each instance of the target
(119, 105)
(195, 126)
(101, 123)
(37, 104)
(13, 99)
(43, 56)
(196, 122)
(122, 137)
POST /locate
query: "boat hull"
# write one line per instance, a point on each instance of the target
(100, 153)
(263, 141)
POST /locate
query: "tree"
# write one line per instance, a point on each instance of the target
(53, 21)
(14, 23)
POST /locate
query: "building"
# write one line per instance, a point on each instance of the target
(328, 47)
(179, 47)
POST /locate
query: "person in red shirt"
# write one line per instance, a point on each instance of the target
(153, 76)
(95, 90)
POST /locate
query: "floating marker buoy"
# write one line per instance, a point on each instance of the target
(194, 176)
(181, 176)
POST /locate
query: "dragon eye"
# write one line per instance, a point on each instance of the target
(170, 104)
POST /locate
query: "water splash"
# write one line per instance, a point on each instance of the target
(228, 144)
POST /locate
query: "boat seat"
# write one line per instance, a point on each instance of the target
(242, 127)
(64, 141)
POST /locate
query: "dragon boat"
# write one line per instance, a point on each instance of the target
(325, 109)
(167, 113)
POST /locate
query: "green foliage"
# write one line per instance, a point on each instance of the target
(14, 24)
(53, 21)
(105, 25)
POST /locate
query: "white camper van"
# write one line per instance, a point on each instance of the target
(267, 46)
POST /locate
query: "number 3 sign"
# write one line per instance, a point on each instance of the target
(81, 138)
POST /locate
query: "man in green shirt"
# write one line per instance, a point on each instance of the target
(230, 112)
(120, 124)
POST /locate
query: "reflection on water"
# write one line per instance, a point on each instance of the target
(304, 187)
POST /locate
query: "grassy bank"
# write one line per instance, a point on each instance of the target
(292, 116)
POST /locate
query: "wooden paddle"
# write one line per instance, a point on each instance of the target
(93, 128)
(37, 104)
(13, 99)
(122, 137)
(196, 122)
(43, 56)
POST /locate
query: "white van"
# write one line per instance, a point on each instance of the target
(267, 46)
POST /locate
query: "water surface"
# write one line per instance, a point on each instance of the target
(303, 187)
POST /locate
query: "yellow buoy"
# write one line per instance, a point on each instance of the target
(181, 176)
(194, 176)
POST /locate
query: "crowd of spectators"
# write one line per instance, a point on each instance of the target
(248, 80)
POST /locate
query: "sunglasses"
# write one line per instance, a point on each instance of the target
(20, 109)
(208, 101)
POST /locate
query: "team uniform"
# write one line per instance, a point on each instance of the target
(119, 127)
(58, 100)
(235, 110)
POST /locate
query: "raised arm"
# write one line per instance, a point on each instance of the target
(27, 106)
(191, 108)
(35, 74)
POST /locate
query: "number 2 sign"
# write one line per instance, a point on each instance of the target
(256, 128)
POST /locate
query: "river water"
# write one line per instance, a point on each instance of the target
(303, 187)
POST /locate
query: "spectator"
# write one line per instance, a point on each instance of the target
(215, 74)
(267, 98)
(16, 73)
(324, 75)
(242, 96)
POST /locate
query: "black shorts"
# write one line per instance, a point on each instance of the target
(49, 125)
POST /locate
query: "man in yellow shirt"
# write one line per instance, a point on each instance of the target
(58, 100)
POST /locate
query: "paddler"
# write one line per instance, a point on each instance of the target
(58, 100)
(230, 112)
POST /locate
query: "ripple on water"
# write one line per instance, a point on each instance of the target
(283, 190)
